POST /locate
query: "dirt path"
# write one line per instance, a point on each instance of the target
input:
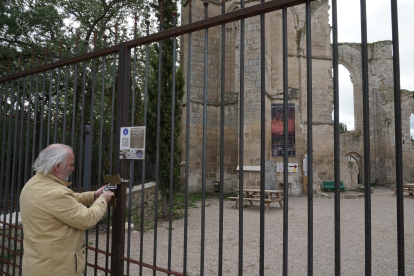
(384, 238)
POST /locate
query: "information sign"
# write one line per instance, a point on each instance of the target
(132, 143)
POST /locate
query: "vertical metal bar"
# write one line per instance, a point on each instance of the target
(2, 183)
(122, 111)
(55, 123)
(398, 137)
(336, 140)
(3, 99)
(171, 189)
(29, 108)
(3, 89)
(263, 139)
(89, 143)
(286, 143)
(157, 160)
(241, 141)
(100, 144)
(14, 163)
(75, 85)
(49, 108)
(42, 112)
(111, 143)
(203, 187)
(223, 91)
(5, 111)
(367, 158)
(187, 143)
(141, 244)
(9, 162)
(310, 134)
(36, 97)
(131, 162)
(65, 108)
(19, 163)
(79, 163)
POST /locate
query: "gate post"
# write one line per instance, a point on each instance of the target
(122, 110)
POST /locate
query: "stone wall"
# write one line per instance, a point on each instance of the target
(382, 137)
(149, 194)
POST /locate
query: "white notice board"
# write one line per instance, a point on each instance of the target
(132, 143)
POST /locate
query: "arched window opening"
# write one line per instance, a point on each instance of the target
(346, 100)
(412, 128)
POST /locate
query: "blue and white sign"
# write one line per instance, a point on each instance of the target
(132, 143)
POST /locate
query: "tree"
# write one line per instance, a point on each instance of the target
(166, 107)
(37, 25)
(27, 25)
(343, 128)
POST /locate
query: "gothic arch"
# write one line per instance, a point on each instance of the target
(233, 6)
(316, 4)
(355, 75)
(349, 55)
(356, 157)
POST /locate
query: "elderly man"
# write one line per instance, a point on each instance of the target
(54, 217)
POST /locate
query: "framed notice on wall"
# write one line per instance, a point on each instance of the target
(278, 147)
(132, 143)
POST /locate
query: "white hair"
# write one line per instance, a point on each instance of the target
(50, 157)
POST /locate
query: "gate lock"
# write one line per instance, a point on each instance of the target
(113, 181)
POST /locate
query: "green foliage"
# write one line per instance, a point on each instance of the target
(9, 256)
(166, 107)
(24, 23)
(27, 25)
(342, 128)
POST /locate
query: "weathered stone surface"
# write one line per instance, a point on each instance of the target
(381, 99)
(149, 194)
(350, 196)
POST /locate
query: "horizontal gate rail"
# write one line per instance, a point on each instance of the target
(98, 267)
(12, 251)
(61, 63)
(155, 268)
(177, 31)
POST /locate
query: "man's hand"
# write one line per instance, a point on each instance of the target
(99, 191)
(107, 196)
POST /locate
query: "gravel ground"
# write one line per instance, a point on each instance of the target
(384, 238)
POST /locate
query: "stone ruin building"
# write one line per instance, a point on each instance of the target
(380, 99)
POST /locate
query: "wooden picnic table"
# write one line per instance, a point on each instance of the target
(407, 188)
(253, 194)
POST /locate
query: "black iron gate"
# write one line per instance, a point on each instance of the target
(53, 101)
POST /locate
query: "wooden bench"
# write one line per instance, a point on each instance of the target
(250, 199)
(331, 185)
(405, 190)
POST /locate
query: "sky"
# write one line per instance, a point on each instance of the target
(378, 28)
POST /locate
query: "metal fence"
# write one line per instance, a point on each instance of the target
(53, 101)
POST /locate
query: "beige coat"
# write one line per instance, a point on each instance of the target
(54, 219)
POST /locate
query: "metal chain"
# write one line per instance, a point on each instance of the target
(109, 187)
